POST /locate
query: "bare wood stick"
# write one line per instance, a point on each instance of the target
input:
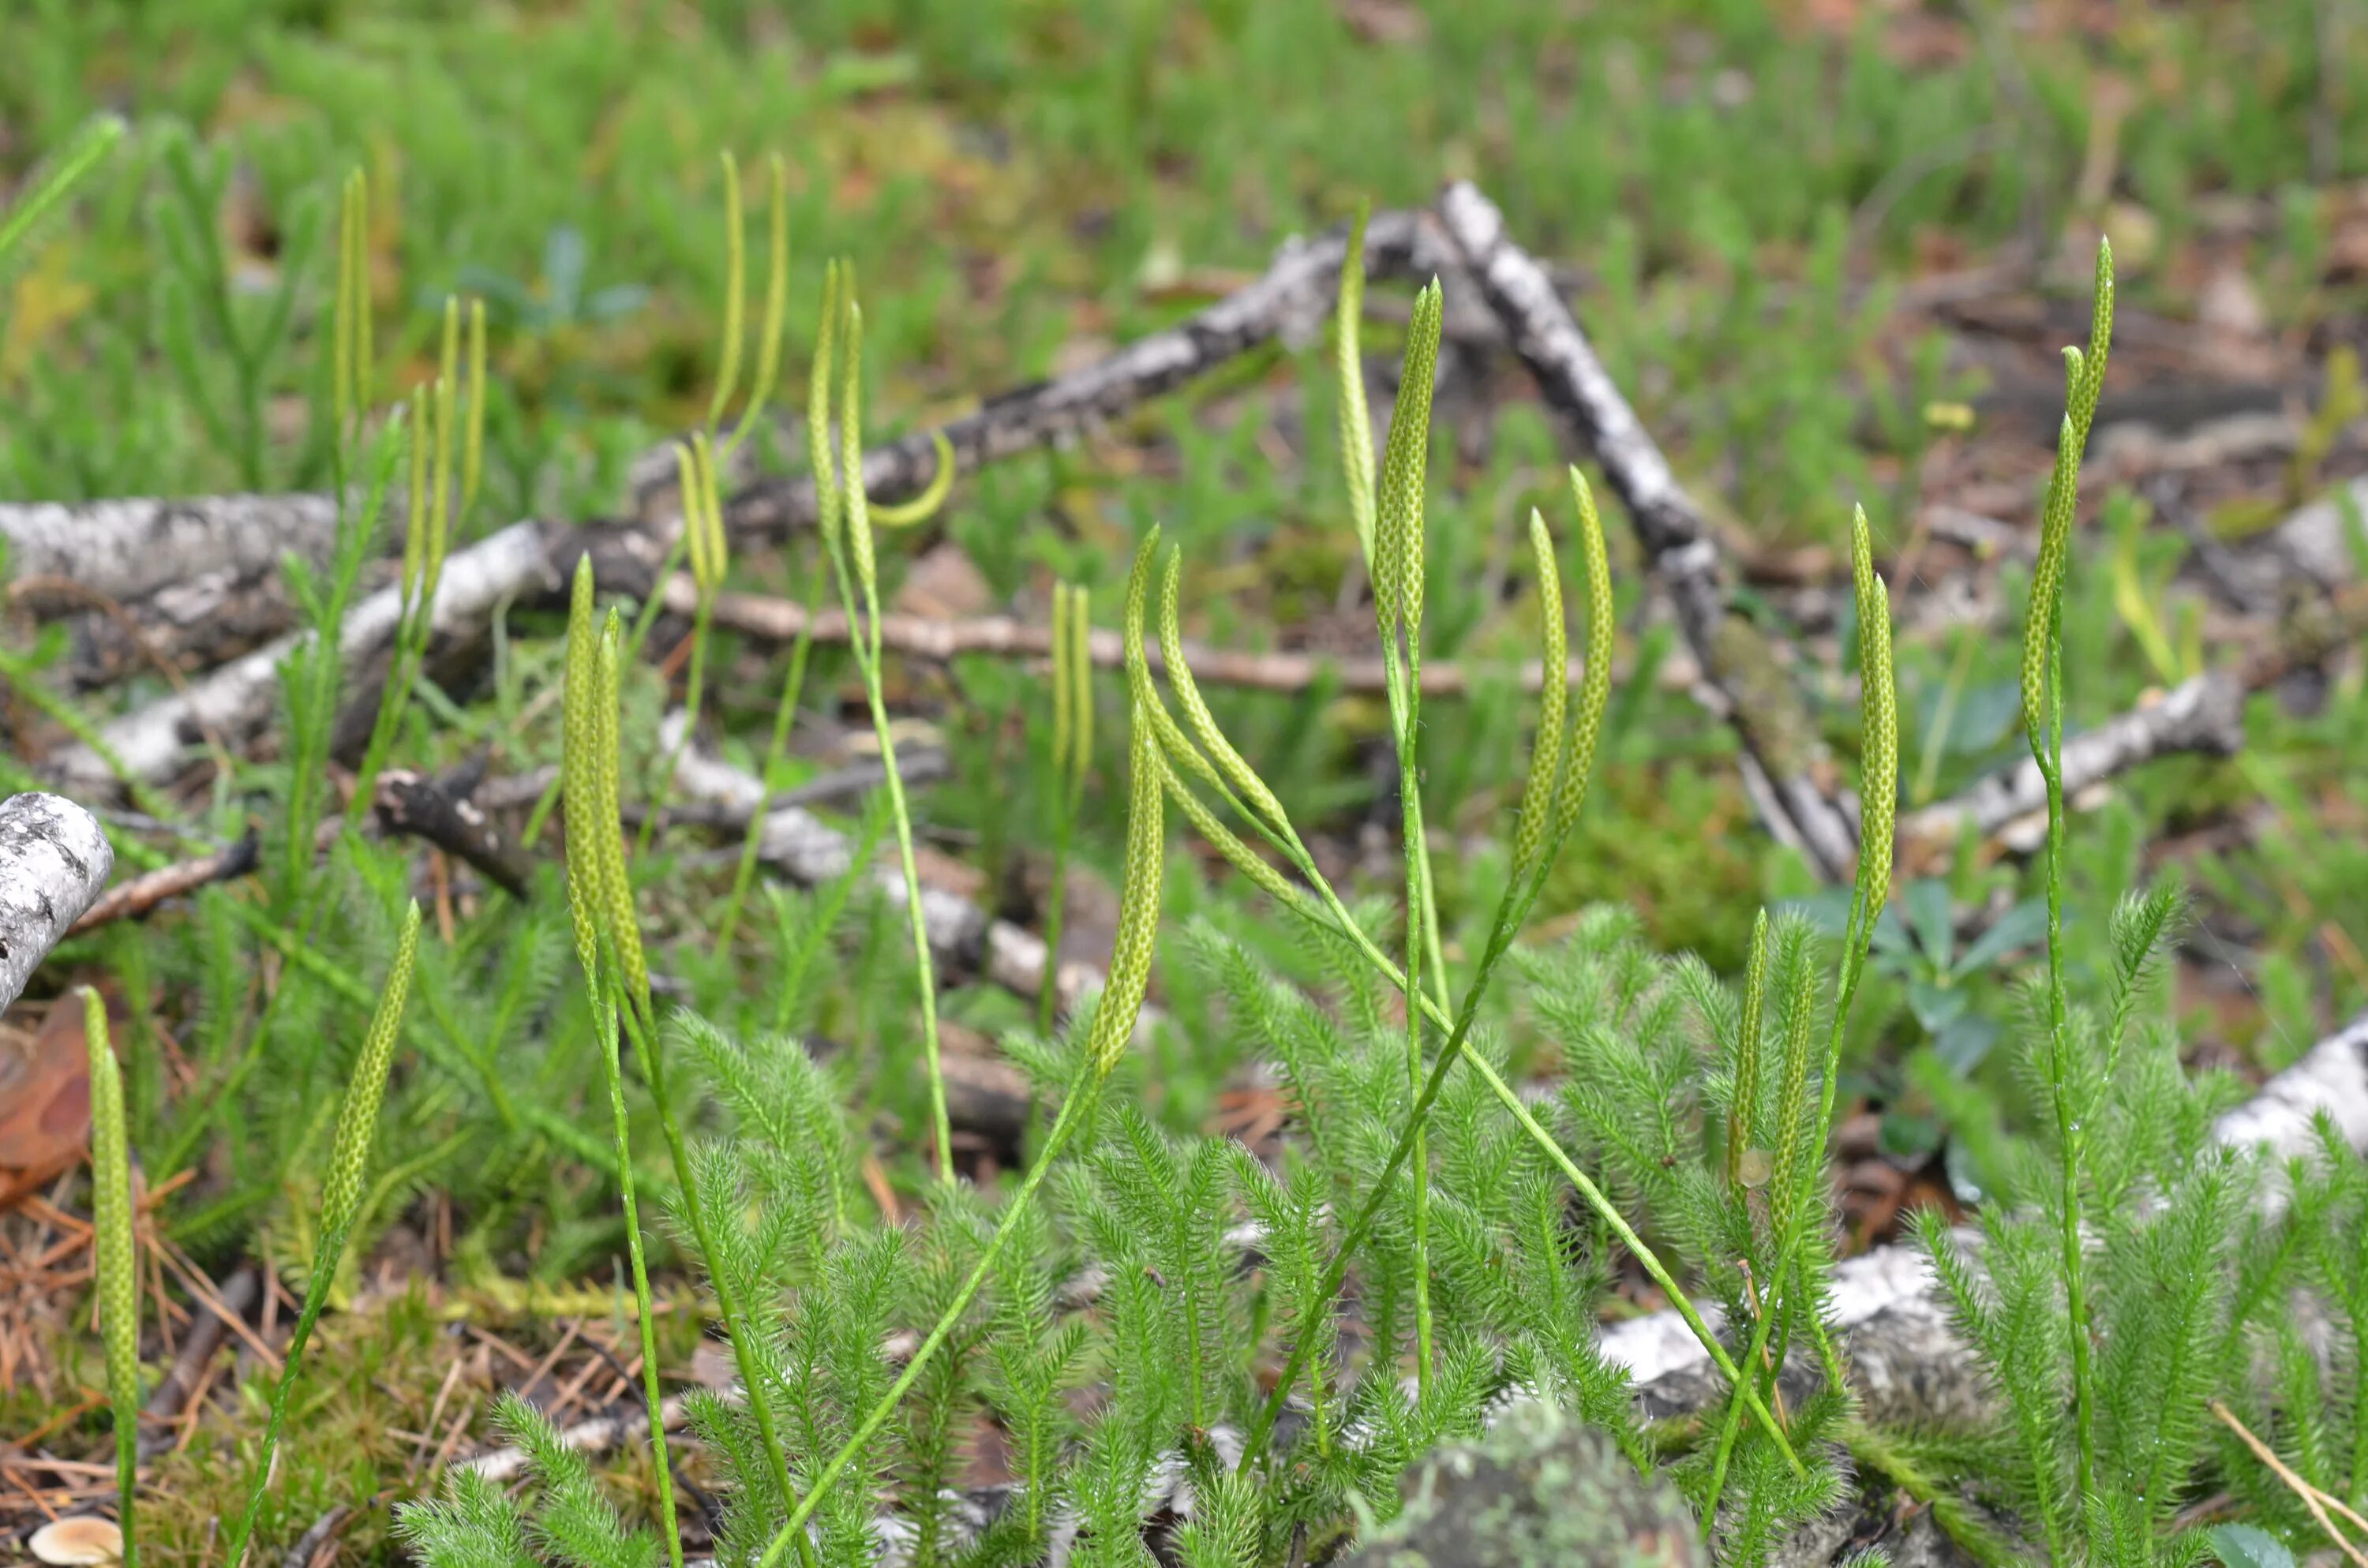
(810, 852)
(216, 554)
(414, 804)
(236, 701)
(1746, 683)
(2206, 714)
(1289, 302)
(54, 858)
(128, 549)
(1003, 636)
(142, 894)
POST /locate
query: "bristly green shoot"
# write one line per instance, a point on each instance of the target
(1073, 756)
(2042, 723)
(340, 1203)
(608, 930)
(51, 186)
(1800, 1143)
(583, 734)
(846, 519)
(1114, 1018)
(114, 1261)
(1325, 909)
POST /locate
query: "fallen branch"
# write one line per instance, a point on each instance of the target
(1289, 303)
(204, 563)
(2206, 714)
(236, 701)
(1745, 682)
(801, 846)
(137, 898)
(1003, 636)
(129, 549)
(54, 858)
(414, 804)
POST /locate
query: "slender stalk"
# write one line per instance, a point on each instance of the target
(2070, 1135)
(605, 1027)
(727, 1296)
(744, 875)
(855, 539)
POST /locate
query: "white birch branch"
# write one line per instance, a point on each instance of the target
(54, 858)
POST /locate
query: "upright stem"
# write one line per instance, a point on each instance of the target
(1417, 901)
(1063, 1125)
(700, 619)
(784, 717)
(2068, 1131)
(606, 1026)
(727, 1293)
(866, 656)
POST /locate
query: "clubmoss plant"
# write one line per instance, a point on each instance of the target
(116, 1263)
(2043, 723)
(585, 756)
(1073, 758)
(340, 1201)
(846, 527)
(1800, 1141)
(1106, 1041)
(699, 460)
(1208, 757)
(52, 185)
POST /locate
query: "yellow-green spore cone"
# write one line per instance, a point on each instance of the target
(115, 1264)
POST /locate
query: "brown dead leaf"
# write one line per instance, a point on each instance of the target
(44, 1094)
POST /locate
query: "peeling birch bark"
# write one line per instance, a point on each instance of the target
(54, 859)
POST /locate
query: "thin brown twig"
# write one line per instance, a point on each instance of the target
(2312, 1497)
(942, 640)
(143, 894)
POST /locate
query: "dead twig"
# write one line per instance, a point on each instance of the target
(2312, 1497)
(142, 894)
(445, 815)
(1002, 636)
(1743, 679)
